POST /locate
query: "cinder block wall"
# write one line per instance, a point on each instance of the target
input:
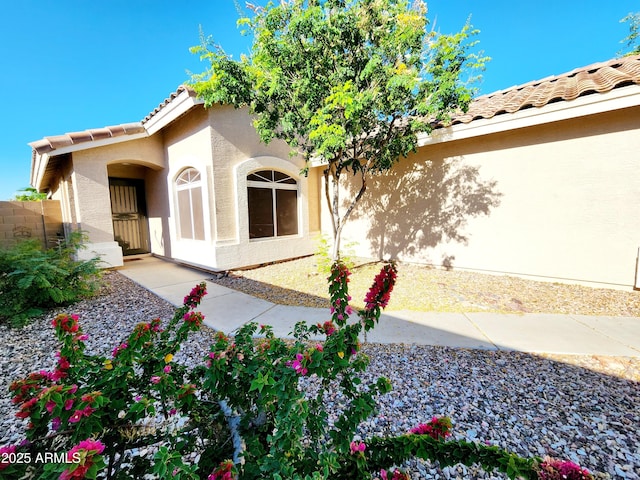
(28, 220)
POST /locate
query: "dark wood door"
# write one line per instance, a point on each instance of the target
(128, 210)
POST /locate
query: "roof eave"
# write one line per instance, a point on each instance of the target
(174, 108)
(618, 98)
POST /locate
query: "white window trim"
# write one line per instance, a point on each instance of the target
(274, 185)
(252, 165)
(189, 186)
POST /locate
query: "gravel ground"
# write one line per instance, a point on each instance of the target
(422, 288)
(583, 408)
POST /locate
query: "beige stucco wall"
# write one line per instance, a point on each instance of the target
(222, 144)
(555, 201)
(88, 186)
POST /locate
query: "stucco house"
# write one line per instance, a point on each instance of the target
(540, 180)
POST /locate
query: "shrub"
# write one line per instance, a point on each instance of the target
(242, 414)
(33, 279)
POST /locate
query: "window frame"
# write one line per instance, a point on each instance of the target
(267, 179)
(194, 186)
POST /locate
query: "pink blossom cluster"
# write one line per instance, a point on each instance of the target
(224, 471)
(85, 452)
(117, 350)
(397, 474)
(327, 327)
(380, 292)
(195, 296)
(194, 318)
(298, 364)
(436, 428)
(66, 323)
(553, 469)
(3, 454)
(357, 448)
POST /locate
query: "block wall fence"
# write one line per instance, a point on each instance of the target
(31, 220)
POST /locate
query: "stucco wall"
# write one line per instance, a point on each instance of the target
(557, 201)
(221, 143)
(89, 189)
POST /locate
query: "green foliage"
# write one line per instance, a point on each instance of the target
(323, 255)
(32, 279)
(30, 194)
(251, 400)
(632, 41)
(352, 83)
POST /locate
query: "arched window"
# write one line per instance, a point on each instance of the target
(273, 204)
(190, 209)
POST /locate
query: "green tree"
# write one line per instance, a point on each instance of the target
(29, 194)
(348, 83)
(632, 41)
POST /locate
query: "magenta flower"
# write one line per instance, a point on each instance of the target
(194, 318)
(224, 471)
(195, 296)
(68, 404)
(357, 448)
(86, 451)
(380, 292)
(552, 469)
(55, 423)
(50, 405)
(298, 364)
(155, 379)
(167, 368)
(117, 350)
(76, 417)
(396, 475)
(436, 428)
(4, 451)
(66, 323)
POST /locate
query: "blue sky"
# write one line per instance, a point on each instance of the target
(69, 65)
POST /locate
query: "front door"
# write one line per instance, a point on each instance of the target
(128, 210)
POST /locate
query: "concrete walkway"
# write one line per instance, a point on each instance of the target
(226, 310)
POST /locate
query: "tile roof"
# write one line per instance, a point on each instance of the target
(596, 78)
(49, 144)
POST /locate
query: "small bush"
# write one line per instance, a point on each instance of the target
(33, 280)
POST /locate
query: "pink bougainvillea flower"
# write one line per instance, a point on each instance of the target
(66, 323)
(55, 423)
(167, 369)
(195, 296)
(50, 405)
(194, 318)
(357, 447)
(327, 327)
(380, 292)
(436, 428)
(117, 350)
(396, 475)
(4, 451)
(68, 404)
(76, 417)
(83, 459)
(298, 364)
(553, 469)
(224, 471)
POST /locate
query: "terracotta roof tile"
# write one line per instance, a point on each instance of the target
(597, 78)
(181, 88)
(48, 144)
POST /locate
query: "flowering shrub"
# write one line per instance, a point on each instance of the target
(241, 414)
(552, 469)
